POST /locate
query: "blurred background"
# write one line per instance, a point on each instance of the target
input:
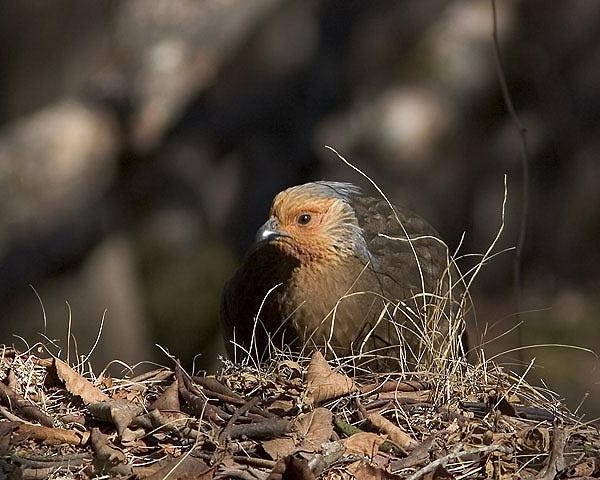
(142, 141)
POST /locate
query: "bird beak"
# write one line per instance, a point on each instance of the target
(269, 231)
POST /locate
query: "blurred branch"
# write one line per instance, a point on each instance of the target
(522, 131)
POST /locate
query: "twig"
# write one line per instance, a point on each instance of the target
(522, 131)
(158, 374)
(54, 461)
(195, 399)
(556, 461)
(257, 462)
(349, 430)
(224, 435)
(9, 415)
(455, 454)
(381, 403)
(344, 427)
(12, 399)
(246, 474)
(212, 388)
(395, 386)
(268, 429)
(35, 473)
(158, 422)
(419, 455)
(520, 411)
(331, 453)
(214, 385)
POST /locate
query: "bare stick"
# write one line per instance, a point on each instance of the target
(556, 461)
(522, 131)
(455, 454)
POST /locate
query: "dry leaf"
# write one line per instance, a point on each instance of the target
(309, 432)
(291, 365)
(283, 405)
(395, 433)
(12, 382)
(363, 443)
(106, 382)
(172, 421)
(440, 473)
(130, 436)
(119, 412)
(279, 447)
(123, 413)
(314, 428)
(107, 457)
(6, 430)
(323, 383)
(291, 467)
(364, 471)
(352, 468)
(587, 468)
(186, 468)
(453, 427)
(50, 436)
(77, 384)
(169, 399)
(535, 439)
(490, 467)
(419, 455)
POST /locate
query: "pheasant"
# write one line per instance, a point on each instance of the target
(335, 270)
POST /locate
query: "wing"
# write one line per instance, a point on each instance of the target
(406, 250)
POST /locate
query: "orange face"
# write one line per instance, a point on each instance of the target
(309, 227)
(301, 217)
(300, 228)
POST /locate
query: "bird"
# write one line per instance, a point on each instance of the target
(346, 273)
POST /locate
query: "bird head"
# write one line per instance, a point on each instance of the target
(314, 222)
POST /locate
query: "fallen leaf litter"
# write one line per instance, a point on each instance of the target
(289, 419)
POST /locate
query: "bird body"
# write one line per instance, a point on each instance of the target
(339, 271)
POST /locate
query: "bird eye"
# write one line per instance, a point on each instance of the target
(304, 219)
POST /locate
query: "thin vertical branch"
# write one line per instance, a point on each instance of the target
(522, 131)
